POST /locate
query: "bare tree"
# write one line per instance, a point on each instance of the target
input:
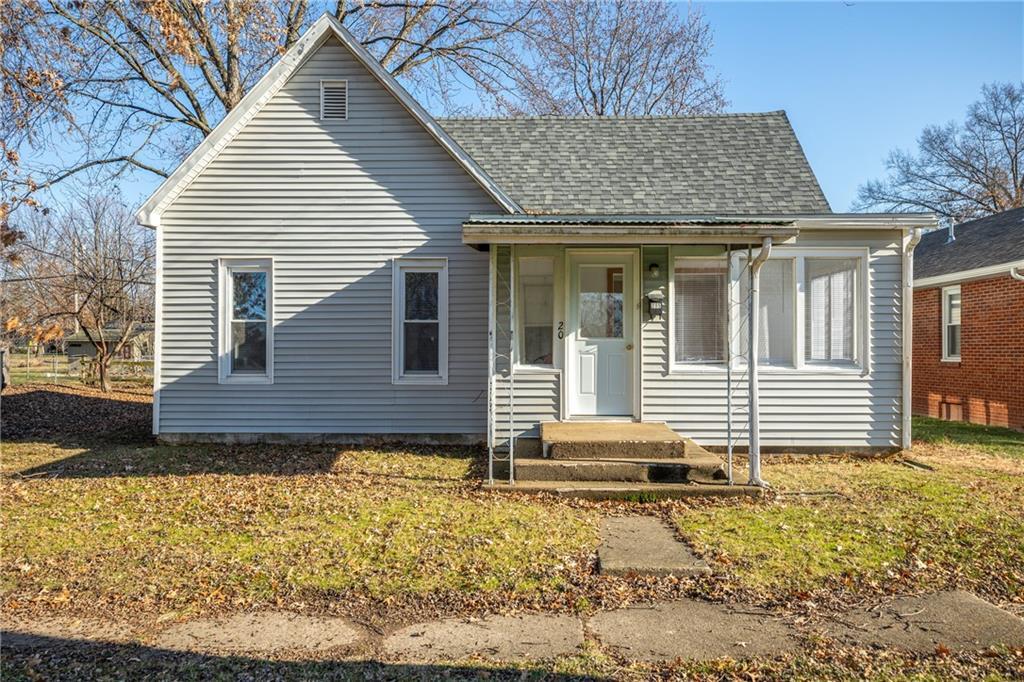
(88, 263)
(119, 86)
(619, 57)
(961, 171)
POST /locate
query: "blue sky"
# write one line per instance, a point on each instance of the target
(861, 78)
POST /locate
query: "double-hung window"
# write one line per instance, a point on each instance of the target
(951, 323)
(700, 293)
(246, 326)
(536, 310)
(420, 324)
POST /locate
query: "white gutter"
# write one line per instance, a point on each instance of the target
(910, 240)
(754, 449)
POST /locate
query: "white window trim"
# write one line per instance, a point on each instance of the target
(334, 81)
(225, 266)
(946, 293)
(862, 331)
(400, 266)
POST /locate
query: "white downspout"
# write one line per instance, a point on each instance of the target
(492, 261)
(910, 241)
(754, 450)
(1016, 274)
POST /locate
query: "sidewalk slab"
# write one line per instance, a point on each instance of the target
(644, 545)
(692, 630)
(264, 632)
(496, 638)
(955, 620)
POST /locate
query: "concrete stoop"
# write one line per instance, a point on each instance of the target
(620, 461)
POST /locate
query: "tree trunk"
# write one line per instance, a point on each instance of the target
(103, 371)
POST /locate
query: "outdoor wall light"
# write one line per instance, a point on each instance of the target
(655, 304)
(654, 270)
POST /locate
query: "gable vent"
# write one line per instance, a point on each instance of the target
(334, 100)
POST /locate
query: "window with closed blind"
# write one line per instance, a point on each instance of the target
(699, 309)
(774, 315)
(830, 310)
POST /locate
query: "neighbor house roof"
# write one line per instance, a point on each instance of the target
(739, 164)
(990, 241)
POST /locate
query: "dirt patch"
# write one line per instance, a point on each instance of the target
(66, 414)
(268, 632)
(498, 638)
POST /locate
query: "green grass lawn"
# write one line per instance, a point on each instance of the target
(181, 528)
(847, 523)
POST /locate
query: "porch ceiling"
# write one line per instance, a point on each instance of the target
(623, 229)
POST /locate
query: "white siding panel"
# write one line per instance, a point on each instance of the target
(333, 202)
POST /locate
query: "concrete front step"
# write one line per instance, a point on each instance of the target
(624, 490)
(615, 440)
(702, 469)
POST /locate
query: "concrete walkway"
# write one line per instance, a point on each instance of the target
(684, 629)
(644, 545)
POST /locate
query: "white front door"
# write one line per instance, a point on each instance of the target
(601, 330)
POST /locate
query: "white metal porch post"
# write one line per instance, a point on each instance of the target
(511, 364)
(754, 449)
(491, 298)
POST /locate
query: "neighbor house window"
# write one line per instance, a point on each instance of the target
(775, 314)
(700, 295)
(246, 329)
(536, 310)
(420, 326)
(951, 323)
(830, 310)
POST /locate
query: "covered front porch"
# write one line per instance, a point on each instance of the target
(580, 347)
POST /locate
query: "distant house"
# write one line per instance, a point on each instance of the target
(78, 345)
(969, 322)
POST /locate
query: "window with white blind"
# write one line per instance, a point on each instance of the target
(774, 315)
(536, 314)
(699, 309)
(830, 310)
(951, 323)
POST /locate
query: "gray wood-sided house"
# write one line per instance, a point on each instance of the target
(334, 262)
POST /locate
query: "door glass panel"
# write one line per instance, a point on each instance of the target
(601, 301)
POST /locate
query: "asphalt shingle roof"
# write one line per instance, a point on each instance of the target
(738, 164)
(991, 240)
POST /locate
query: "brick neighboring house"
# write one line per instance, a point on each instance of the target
(968, 361)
